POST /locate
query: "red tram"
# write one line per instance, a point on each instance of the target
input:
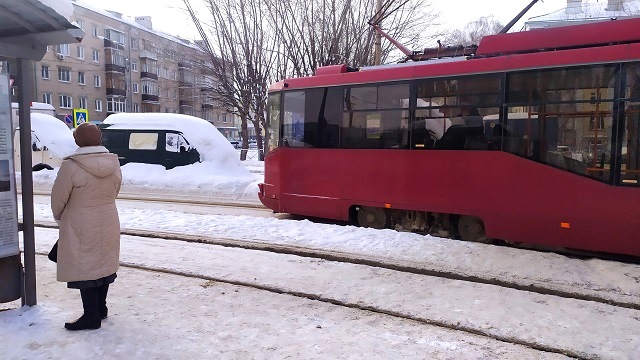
(534, 139)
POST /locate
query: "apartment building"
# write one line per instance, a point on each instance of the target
(124, 65)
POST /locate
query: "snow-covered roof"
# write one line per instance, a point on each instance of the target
(36, 106)
(131, 21)
(210, 143)
(64, 8)
(27, 27)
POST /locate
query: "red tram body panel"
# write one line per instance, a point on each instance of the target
(518, 200)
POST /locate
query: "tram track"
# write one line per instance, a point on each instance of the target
(359, 259)
(363, 307)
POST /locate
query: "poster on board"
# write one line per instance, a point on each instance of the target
(8, 196)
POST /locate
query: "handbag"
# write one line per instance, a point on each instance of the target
(53, 253)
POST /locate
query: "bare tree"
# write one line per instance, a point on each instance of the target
(473, 32)
(236, 44)
(328, 32)
(252, 44)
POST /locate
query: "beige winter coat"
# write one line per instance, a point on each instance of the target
(83, 201)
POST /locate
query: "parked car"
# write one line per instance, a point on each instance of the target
(151, 145)
(164, 139)
(51, 140)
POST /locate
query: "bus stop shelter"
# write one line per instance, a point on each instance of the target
(27, 28)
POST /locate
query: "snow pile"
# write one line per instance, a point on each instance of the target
(54, 134)
(196, 177)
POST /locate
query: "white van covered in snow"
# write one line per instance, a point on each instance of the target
(51, 140)
(36, 107)
(169, 140)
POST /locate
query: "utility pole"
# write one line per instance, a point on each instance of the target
(378, 43)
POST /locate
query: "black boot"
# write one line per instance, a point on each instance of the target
(91, 317)
(102, 300)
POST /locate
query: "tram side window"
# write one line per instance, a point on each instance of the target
(562, 117)
(273, 107)
(293, 119)
(630, 161)
(449, 112)
(323, 117)
(376, 117)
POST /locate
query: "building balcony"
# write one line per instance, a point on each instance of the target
(112, 91)
(150, 98)
(148, 75)
(186, 103)
(148, 55)
(207, 106)
(114, 68)
(112, 44)
(150, 107)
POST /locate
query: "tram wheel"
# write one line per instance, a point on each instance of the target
(471, 228)
(371, 217)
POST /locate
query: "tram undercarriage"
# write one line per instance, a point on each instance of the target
(469, 228)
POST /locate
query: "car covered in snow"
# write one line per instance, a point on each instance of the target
(164, 139)
(51, 140)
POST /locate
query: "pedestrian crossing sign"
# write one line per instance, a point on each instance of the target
(80, 116)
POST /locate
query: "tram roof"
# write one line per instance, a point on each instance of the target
(562, 37)
(599, 42)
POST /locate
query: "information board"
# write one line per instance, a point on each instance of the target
(8, 195)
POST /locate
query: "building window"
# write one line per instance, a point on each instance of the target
(136, 108)
(45, 71)
(150, 87)
(46, 98)
(94, 31)
(80, 23)
(83, 102)
(174, 94)
(64, 74)
(63, 49)
(150, 66)
(135, 88)
(224, 118)
(134, 43)
(115, 36)
(117, 57)
(81, 78)
(96, 55)
(134, 65)
(98, 103)
(80, 52)
(116, 104)
(96, 81)
(66, 102)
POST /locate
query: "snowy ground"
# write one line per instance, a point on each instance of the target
(156, 315)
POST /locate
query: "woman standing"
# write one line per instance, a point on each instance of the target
(83, 201)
